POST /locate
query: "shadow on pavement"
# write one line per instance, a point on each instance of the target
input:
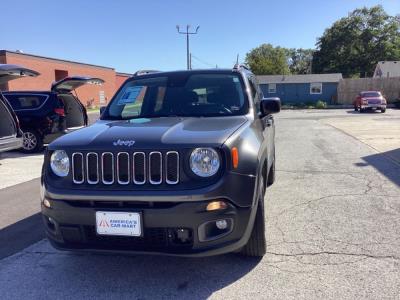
(371, 111)
(107, 276)
(20, 235)
(19, 154)
(145, 277)
(387, 163)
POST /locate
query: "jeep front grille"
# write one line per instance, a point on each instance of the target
(123, 168)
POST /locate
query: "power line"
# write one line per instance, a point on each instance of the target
(202, 61)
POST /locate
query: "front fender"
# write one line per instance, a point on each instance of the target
(251, 146)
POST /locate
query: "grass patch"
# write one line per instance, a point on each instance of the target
(305, 105)
(93, 109)
(320, 104)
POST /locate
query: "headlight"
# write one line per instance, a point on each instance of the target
(59, 163)
(204, 162)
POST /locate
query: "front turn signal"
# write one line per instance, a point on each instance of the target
(235, 157)
(216, 205)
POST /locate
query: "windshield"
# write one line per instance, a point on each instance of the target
(179, 94)
(370, 94)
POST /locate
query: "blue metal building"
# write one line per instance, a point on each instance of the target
(296, 89)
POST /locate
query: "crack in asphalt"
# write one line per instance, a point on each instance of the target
(327, 197)
(366, 177)
(317, 172)
(370, 184)
(366, 255)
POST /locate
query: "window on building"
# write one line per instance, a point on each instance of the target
(60, 74)
(316, 88)
(272, 88)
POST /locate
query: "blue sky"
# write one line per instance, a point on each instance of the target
(131, 35)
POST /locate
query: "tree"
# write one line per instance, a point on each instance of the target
(268, 60)
(300, 60)
(353, 45)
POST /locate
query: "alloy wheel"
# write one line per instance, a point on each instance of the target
(29, 141)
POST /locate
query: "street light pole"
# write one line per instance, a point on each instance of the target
(187, 32)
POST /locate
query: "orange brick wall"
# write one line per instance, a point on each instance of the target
(46, 67)
(119, 80)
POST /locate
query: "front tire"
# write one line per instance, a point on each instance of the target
(32, 141)
(257, 244)
(383, 110)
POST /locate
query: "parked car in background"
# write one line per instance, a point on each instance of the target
(370, 100)
(10, 133)
(46, 115)
(177, 164)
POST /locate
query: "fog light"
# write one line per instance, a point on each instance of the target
(216, 205)
(46, 203)
(221, 224)
(213, 230)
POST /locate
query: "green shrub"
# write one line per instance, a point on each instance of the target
(320, 104)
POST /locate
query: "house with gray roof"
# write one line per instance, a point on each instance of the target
(305, 88)
(387, 69)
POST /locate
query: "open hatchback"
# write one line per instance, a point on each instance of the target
(47, 115)
(10, 133)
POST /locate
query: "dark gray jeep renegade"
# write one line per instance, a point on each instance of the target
(177, 164)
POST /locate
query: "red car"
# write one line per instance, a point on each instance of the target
(369, 100)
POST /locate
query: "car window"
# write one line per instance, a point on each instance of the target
(181, 94)
(371, 94)
(26, 102)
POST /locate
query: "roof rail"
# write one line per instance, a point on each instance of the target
(240, 66)
(144, 72)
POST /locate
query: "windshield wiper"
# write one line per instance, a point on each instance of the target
(153, 116)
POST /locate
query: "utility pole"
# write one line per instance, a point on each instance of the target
(187, 32)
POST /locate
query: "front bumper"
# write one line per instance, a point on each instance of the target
(71, 225)
(70, 221)
(373, 106)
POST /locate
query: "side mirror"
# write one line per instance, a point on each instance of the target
(270, 106)
(102, 109)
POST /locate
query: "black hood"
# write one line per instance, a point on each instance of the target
(154, 133)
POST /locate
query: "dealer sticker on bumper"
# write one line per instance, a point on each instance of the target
(118, 223)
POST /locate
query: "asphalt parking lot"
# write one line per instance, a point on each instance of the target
(333, 227)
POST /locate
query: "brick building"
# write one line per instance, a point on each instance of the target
(52, 69)
(120, 79)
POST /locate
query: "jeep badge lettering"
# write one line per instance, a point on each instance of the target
(128, 143)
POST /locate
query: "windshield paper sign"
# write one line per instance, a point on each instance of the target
(130, 95)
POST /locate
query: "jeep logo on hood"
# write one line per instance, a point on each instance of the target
(120, 142)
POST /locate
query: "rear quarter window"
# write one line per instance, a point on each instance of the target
(26, 102)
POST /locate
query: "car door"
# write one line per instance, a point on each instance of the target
(9, 132)
(64, 89)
